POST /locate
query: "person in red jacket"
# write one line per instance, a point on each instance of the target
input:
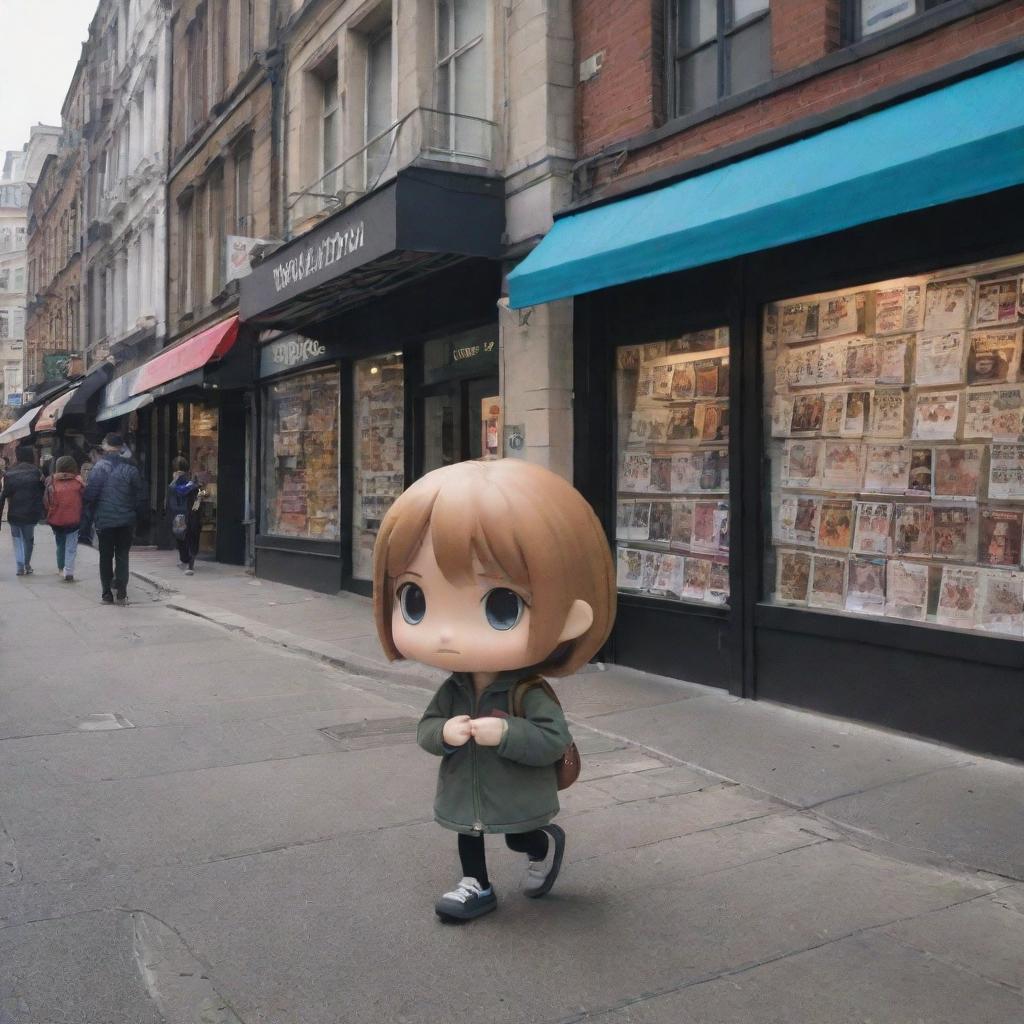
(63, 501)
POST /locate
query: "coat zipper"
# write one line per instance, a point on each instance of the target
(478, 825)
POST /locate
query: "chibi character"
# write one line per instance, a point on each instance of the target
(495, 571)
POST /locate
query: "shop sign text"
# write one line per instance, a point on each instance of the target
(289, 352)
(315, 258)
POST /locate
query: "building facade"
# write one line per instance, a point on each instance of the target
(792, 259)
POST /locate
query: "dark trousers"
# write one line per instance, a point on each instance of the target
(115, 542)
(474, 860)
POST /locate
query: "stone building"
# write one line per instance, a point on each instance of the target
(53, 329)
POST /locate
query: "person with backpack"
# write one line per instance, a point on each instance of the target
(114, 497)
(184, 497)
(63, 502)
(495, 572)
(22, 493)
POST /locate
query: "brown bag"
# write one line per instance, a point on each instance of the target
(567, 770)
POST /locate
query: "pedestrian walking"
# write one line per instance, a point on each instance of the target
(495, 571)
(184, 497)
(93, 456)
(63, 502)
(114, 497)
(22, 493)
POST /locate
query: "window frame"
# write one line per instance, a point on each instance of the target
(850, 20)
(446, 64)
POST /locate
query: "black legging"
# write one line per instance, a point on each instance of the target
(474, 860)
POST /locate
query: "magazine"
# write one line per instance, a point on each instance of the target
(947, 304)
(644, 383)
(886, 468)
(861, 361)
(999, 537)
(993, 356)
(831, 362)
(686, 471)
(996, 302)
(718, 583)
(629, 568)
(696, 577)
(680, 425)
(623, 512)
(711, 420)
(897, 309)
(956, 472)
(714, 472)
(939, 359)
(888, 413)
(1008, 412)
(798, 321)
(661, 473)
(808, 414)
(640, 521)
(920, 483)
(782, 415)
(684, 381)
(627, 357)
(706, 372)
(955, 533)
(842, 469)
(797, 520)
(906, 590)
(669, 579)
(838, 315)
(648, 426)
(802, 367)
(832, 419)
(912, 530)
(635, 472)
(682, 525)
(978, 413)
(835, 524)
(936, 414)
(894, 358)
(865, 587)
(856, 413)
(1006, 471)
(710, 526)
(801, 463)
(792, 576)
(661, 383)
(827, 588)
(660, 528)
(1001, 608)
(874, 523)
(958, 596)
(654, 350)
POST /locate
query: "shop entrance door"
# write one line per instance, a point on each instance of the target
(459, 422)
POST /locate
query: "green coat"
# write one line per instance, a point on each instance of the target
(507, 788)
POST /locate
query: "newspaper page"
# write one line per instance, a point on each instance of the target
(947, 304)
(710, 533)
(907, 590)
(835, 524)
(714, 472)
(831, 362)
(894, 358)
(648, 426)
(670, 576)
(635, 472)
(843, 467)
(920, 482)
(832, 419)
(640, 521)
(681, 529)
(886, 468)
(999, 537)
(680, 424)
(958, 596)
(978, 413)
(856, 413)
(1002, 602)
(897, 309)
(711, 420)
(629, 565)
(792, 576)
(1008, 412)
(808, 414)
(660, 528)
(838, 315)
(888, 413)
(661, 474)
(957, 472)
(955, 533)
(718, 583)
(696, 577)
(865, 587)
(1006, 471)
(861, 365)
(782, 415)
(801, 463)
(798, 321)
(649, 563)
(686, 471)
(912, 530)
(993, 356)
(936, 415)
(996, 302)
(684, 381)
(939, 359)
(874, 525)
(802, 367)
(797, 520)
(623, 512)
(827, 587)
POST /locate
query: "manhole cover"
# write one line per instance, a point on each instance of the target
(102, 722)
(373, 732)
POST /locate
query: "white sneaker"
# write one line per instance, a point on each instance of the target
(189, 572)
(467, 900)
(541, 874)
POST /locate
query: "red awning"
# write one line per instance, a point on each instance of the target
(51, 413)
(192, 354)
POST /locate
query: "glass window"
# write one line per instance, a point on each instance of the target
(329, 132)
(379, 470)
(894, 412)
(716, 49)
(866, 17)
(301, 488)
(461, 78)
(202, 460)
(378, 107)
(243, 173)
(672, 509)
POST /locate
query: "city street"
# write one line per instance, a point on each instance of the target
(213, 810)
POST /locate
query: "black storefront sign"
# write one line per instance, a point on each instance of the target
(291, 353)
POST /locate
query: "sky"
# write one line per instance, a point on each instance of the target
(40, 43)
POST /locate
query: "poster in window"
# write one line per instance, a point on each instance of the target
(706, 373)
(861, 366)
(650, 561)
(874, 526)
(894, 358)
(661, 384)
(955, 533)
(718, 583)
(947, 305)
(936, 414)
(1007, 421)
(661, 474)
(832, 362)
(635, 472)
(798, 321)
(629, 568)
(993, 356)
(711, 420)
(793, 577)
(681, 530)
(801, 464)
(886, 468)
(996, 302)
(897, 309)
(696, 577)
(660, 526)
(906, 590)
(920, 482)
(1002, 602)
(640, 521)
(939, 359)
(628, 357)
(835, 524)
(838, 314)
(623, 514)
(843, 467)
(796, 521)
(782, 415)
(802, 367)
(808, 415)
(999, 537)
(957, 472)
(888, 413)
(856, 413)
(686, 472)
(978, 413)
(1006, 472)
(958, 596)
(670, 576)
(827, 587)
(710, 531)
(912, 530)
(684, 381)
(648, 426)
(865, 587)
(654, 350)
(832, 418)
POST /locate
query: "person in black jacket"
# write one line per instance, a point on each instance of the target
(183, 499)
(114, 497)
(22, 493)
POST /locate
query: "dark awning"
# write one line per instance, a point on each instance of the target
(421, 221)
(92, 384)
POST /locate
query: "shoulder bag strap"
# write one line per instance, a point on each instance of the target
(520, 690)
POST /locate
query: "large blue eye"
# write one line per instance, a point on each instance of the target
(413, 603)
(503, 608)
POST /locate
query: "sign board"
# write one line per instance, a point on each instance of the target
(14, 399)
(239, 256)
(290, 352)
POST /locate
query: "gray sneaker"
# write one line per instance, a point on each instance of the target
(541, 874)
(466, 901)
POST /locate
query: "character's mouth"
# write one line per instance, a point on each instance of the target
(445, 650)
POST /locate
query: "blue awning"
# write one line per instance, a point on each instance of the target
(959, 141)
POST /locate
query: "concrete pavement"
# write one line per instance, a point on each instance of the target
(205, 817)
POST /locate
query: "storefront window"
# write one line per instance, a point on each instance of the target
(379, 471)
(301, 451)
(894, 418)
(202, 459)
(672, 512)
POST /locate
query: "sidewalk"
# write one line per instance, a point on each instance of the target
(912, 799)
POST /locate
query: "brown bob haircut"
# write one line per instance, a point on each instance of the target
(519, 519)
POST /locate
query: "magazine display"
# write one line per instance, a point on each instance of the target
(894, 426)
(673, 432)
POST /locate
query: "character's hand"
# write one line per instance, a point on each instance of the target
(457, 731)
(488, 732)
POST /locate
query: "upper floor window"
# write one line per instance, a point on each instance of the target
(866, 17)
(329, 131)
(461, 81)
(195, 82)
(246, 33)
(716, 48)
(5, 323)
(243, 207)
(378, 115)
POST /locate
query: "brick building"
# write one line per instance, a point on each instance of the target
(795, 271)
